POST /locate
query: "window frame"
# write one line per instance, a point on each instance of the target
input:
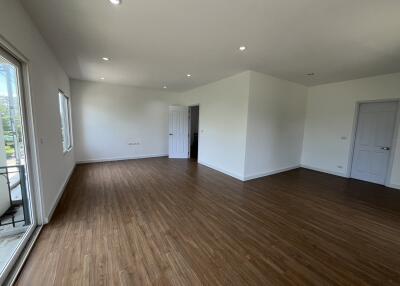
(11, 54)
(61, 95)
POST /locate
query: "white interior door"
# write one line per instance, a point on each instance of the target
(178, 132)
(374, 136)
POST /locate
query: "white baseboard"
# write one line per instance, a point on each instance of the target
(249, 177)
(324, 171)
(269, 173)
(100, 160)
(60, 193)
(393, 186)
(231, 174)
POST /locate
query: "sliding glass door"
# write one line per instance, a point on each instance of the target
(17, 220)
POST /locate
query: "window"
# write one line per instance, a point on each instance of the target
(65, 121)
(17, 211)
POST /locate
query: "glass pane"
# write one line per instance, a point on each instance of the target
(65, 124)
(15, 207)
(68, 123)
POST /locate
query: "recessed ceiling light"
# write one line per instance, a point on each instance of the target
(189, 75)
(115, 2)
(164, 87)
(105, 59)
(242, 48)
(102, 78)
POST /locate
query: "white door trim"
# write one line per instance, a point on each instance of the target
(394, 140)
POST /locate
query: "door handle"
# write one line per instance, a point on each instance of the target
(385, 148)
(170, 134)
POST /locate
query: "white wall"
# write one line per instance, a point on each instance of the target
(275, 125)
(223, 122)
(224, 108)
(331, 115)
(107, 118)
(46, 77)
(251, 124)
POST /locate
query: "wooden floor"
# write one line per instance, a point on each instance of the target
(173, 222)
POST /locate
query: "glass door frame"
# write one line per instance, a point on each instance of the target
(32, 170)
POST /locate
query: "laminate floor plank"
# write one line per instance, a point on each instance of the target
(173, 222)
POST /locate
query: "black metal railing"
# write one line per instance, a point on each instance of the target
(10, 216)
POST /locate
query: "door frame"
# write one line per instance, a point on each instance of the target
(190, 131)
(32, 153)
(394, 140)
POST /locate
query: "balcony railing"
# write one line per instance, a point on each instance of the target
(15, 178)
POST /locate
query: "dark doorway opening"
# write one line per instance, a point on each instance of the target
(194, 131)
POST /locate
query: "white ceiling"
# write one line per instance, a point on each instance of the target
(153, 43)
